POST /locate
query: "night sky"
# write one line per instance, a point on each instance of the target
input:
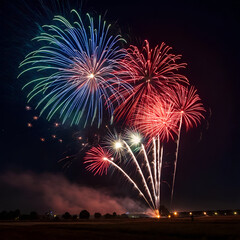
(205, 33)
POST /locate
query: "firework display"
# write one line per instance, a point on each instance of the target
(85, 73)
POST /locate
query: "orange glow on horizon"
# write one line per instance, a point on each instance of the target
(157, 214)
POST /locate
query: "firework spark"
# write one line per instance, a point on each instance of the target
(78, 66)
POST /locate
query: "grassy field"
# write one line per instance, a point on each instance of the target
(164, 229)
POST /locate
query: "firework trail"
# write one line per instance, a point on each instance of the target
(155, 171)
(150, 72)
(79, 70)
(99, 163)
(157, 121)
(189, 109)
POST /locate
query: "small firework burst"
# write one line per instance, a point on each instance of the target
(98, 160)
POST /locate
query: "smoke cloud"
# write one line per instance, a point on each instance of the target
(42, 192)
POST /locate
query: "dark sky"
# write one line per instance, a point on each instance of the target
(206, 33)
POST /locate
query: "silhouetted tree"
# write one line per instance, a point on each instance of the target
(3, 215)
(84, 214)
(114, 214)
(66, 215)
(17, 214)
(11, 215)
(97, 215)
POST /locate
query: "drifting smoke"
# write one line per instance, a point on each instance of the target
(46, 191)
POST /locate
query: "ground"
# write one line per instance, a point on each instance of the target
(219, 228)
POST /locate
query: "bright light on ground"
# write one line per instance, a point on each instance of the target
(157, 214)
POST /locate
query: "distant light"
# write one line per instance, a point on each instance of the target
(112, 158)
(60, 140)
(216, 213)
(35, 117)
(54, 136)
(118, 145)
(169, 216)
(190, 213)
(56, 124)
(29, 125)
(204, 213)
(91, 75)
(79, 138)
(42, 139)
(175, 213)
(28, 108)
(235, 213)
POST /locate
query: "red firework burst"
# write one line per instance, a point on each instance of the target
(98, 160)
(157, 119)
(149, 71)
(187, 104)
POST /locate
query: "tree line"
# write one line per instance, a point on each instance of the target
(84, 214)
